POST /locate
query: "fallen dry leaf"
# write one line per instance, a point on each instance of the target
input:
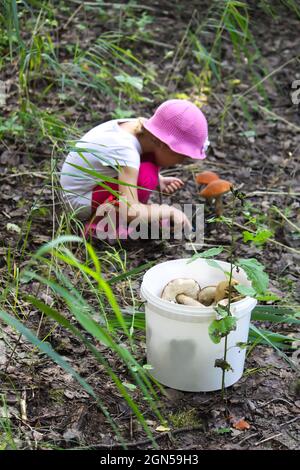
(241, 425)
(162, 429)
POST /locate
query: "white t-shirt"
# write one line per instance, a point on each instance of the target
(103, 149)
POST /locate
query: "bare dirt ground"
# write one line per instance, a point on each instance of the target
(268, 396)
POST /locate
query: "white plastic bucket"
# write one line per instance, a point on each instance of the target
(178, 345)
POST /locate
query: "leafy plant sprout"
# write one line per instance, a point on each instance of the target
(226, 322)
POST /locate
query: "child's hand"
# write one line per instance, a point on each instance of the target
(170, 184)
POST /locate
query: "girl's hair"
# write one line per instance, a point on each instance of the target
(141, 131)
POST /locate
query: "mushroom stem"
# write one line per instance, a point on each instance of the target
(219, 205)
(186, 300)
(215, 190)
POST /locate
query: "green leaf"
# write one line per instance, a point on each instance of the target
(268, 339)
(277, 339)
(129, 386)
(268, 297)
(223, 430)
(245, 290)
(275, 314)
(134, 81)
(130, 273)
(47, 247)
(120, 113)
(259, 237)
(214, 264)
(255, 273)
(220, 328)
(210, 253)
(222, 311)
(248, 134)
(224, 365)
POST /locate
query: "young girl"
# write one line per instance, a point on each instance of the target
(132, 151)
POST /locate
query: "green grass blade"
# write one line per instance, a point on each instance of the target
(55, 315)
(259, 333)
(47, 349)
(130, 273)
(275, 314)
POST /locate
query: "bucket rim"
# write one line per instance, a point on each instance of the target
(179, 309)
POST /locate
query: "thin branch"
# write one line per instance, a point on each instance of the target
(240, 95)
(286, 219)
(273, 193)
(143, 441)
(26, 173)
(268, 439)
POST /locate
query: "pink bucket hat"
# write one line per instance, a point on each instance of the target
(182, 126)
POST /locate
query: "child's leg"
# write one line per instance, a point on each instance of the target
(100, 195)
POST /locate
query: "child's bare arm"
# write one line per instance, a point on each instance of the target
(129, 201)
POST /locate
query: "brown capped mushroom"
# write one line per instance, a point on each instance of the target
(215, 190)
(207, 295)
(222, 290)
(189, 287)
(206, 177)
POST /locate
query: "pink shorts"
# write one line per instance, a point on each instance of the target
(148, 179)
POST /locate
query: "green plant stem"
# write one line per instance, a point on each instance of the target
(223, 391)
(232, 248)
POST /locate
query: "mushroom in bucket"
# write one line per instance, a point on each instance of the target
(188, 292)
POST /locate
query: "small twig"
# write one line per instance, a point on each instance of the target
(289, 422)
(143, 441)
(248, 437)
(12, 353)
(240, 95)
(276, 399)
(286, 219)
(23, 407)
(279, 118)
(160, 194)
(122, 6)
(65, 26)
(174, 65)
(198, 246)
(273, 193)
(15, 175)
(268, 439)
(131, 427)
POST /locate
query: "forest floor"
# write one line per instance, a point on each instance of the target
(59, 412)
